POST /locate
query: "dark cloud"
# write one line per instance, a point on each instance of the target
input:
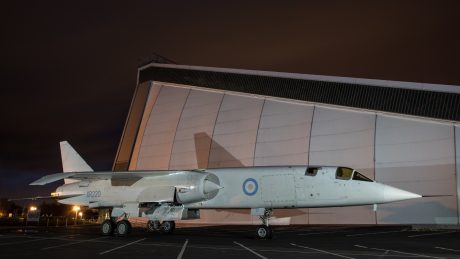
(68, 69)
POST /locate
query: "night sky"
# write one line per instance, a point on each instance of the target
(68, 68)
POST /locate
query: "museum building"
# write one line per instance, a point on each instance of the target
(399, 133)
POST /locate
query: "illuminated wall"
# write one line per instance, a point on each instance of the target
(187, 127)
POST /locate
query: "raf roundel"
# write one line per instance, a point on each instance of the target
(250, 187)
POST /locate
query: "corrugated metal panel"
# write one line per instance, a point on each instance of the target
(422, 103)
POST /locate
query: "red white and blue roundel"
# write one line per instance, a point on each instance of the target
(250, 187)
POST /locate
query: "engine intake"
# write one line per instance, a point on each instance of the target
(204, 188)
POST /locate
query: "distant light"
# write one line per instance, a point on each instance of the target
(32, 208)
(80, 214)
(76, 208)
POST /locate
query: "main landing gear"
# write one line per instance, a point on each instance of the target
(120, 228)
(167, 227)
(264, 231)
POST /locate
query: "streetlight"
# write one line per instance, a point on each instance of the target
(76, 209)
(81, 215)
(32, 208)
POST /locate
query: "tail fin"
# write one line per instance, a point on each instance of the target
(72, 161)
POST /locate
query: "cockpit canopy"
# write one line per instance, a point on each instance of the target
(342, 173)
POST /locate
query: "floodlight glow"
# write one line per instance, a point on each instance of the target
(76, 208)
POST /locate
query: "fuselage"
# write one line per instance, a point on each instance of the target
(251, 187)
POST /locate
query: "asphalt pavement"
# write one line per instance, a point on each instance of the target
(231, 242)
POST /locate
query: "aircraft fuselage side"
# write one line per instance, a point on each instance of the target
(256, 187)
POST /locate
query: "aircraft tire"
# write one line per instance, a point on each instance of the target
(150, 227)
(264, 232)
(107, 227)
(167, 227)
(153, 226)
(123, 228)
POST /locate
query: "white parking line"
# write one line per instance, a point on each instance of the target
(22, 242)
(116, 248)
(73, 243)
(432, 234)
(448, 249)
(320, 233)
(250, 250)
(33, 240)
(375, 233)
(322, 251)
(395, 251)
(182, 250)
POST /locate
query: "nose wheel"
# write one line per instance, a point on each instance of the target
(264, 231)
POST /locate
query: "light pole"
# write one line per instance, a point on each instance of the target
(76, 209)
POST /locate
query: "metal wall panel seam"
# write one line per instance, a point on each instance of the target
(375, 149)
(456, 173)
(146, 123)
(128, 119)
(177, 125)
(309, 137)
(257, 132)
(308, 153)
(214, 128)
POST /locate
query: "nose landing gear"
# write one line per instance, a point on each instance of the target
(264, 231)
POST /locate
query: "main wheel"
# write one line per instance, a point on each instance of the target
(167, 227)
(107, 227)
(264, 232)
(123, 227)
(153, 226)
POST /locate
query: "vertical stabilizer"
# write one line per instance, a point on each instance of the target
(72, 161)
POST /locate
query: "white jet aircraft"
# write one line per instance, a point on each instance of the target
(166, 196)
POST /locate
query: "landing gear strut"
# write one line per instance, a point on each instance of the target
(167, 227)
(264, 231)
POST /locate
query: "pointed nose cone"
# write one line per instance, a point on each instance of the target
(210, 187)
(394, 194)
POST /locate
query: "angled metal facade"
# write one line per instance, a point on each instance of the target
(188, 126)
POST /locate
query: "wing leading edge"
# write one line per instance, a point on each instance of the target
(91, 176)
